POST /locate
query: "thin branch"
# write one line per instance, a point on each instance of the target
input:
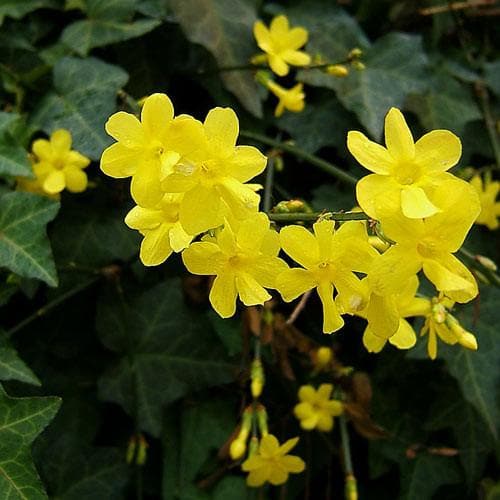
(314, 216)
(298, 308)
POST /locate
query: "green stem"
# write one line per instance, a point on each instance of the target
(324, 165)
(306, 217)
(471, 259)
(268, 187)
(52, 305)
(484, 101)
(351, 492)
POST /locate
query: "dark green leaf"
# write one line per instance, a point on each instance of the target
(12, 367)
(166, 349)
(84, 98)
(478, 372)
(395, 68)
(21, 420)
(14, 161)
(19, 8)
(224, 27)
(24, 247)
(492, 76)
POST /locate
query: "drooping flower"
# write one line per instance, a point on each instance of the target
(271, 463)
(490, 207)
(162, 231)
(316, 410)
(57, 166)
(429, 244)
(329, 259)
(244, 261)
(439, 323)
(281, 44)
(289, 99)
(214, 176)
(406, 174)
(147, 150)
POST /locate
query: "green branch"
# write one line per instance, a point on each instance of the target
(324, 165)
(314, 216)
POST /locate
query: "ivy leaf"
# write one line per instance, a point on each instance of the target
(492, 76)
(24, 246)
(447, 104)
(395, 68)
(21, 420)
(19, 8)
(12, 367)
(107, 22)
(478, 372)
(13, 158)
(166, 351)
(422, 476)
(224, 28)
(84, 97)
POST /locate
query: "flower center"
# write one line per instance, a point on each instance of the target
(407, 173)
(427, 248)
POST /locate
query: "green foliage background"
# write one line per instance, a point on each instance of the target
(103, 348)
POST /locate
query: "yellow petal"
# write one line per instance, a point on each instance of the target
(293, 464)
(267, 269)
(76, 159)
(203, 258)
(405, 337)
(371, 155)
(200, 210)
(415, 204)
(288, 445)
(323, 231)
(294, 282)
(155, 247)
(250, 291)
(179, 182)
(300, 245)
(141, 218)
(269, 446)
(296, 57)
(438, 151)
(258, 477)
(223, 295)
(241, 200)
(42, 149)
(76, 179)
(382, 315)
(246, 163)
(186, 136)
(372, 342)
(375, 192)
(277, 475)
(126, 128)
(119, 161)
(332, 321)
(262, 36)
(145, 186)
(296, 38)
(54, 182)
(179, 239)
(221, 127)
(399, 228)
(307, 393)
(60, 141)
(279, 26)
(278, 65)
(156, 114)
(432, 345)
(325, 391)
(398, 138)
(325, 423)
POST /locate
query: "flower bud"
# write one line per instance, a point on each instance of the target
(355, 53)
(258, 59)
(237, 448)
(132, 444)
(358, 65)
(257, 378)
(323, 357)
(262, 420)
(142, 450)
(338, 70)
(263, 77)
(464, 338)
(486, 262)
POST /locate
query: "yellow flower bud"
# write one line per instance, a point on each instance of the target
(132, 444)
(338, 70)
(464, 338)
(323, 357)
(142, 450)
(358, 65)
(257, 378)
(262, 420)
(355, 53)
(237, 448)
(258, 59)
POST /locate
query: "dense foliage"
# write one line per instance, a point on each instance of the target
(120, 380)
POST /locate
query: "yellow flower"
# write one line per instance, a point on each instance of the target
(281, 44)
(162, 231)
(440, 323)
(57, 166)
(271, 463)
(244, 261)
(329, 259)
(490, 208)
(316, 410)
(289, 99)
(386, 318)
(429, 244)
(33, 186)
(406, 173)
(148, 149)
(214, 176)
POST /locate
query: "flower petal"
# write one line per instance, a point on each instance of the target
(241, 200)
(76, 179)
(269, 446)
(296, 38)
(279, 26)
(222, 128)
(179, 239)
(262, 36)
(405, 337)
(293, 463)
(246, 163)
(156, 114)
(307, 393)
(42, 149)
(372, 342)
(382, 315)
(375, 192)
(267, 269)
(141, 218)
(258, 477)
(60, 141)
(126, 128)
(223, 295)
(54, 182)
(155, 247)
(200, 210)
(277, 474)
(278, 65)
(203, 258)
(323, 231)
(250, 291)
(438, 151)
(296, 57)
(294, 282)
(288, 445)
(119, 161)
(415, 204)
(145, 186)
(398, 138)
(300, 245)
(371, 155)
(332, 320)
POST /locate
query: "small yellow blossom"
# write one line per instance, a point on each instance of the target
(338, 70)
(162, 231)
(316, 410)
(329, 259)
(244, 261)
(281, 44)
(213, 177)
(271, 463)
(57, 166)
(34, 186)
(322, 358)
(490, 207)
(440, 323)
(429, 244)
(147, 150)
(406, 174)
(289, 99)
